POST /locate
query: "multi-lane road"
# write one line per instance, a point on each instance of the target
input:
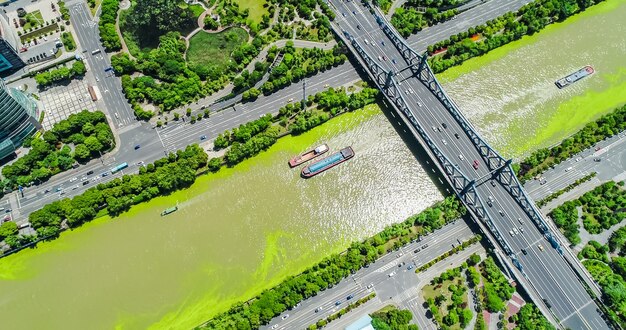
(391, 276)
(545, 269)
(178, 135)
(109, 86)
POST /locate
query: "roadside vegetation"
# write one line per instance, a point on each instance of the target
(542, 159)
(176, 171)
(261, 309)
(61, 74)
(392, 318)
(79, 138)
(601, 207)
(571, 186)
(609, 271)
(251, 138)
(343, 311)
(479, 40)
(415, 15)
(215, 49)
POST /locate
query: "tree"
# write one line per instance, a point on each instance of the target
(7, 229)
(153, 18)
(93, 144)
(210, 23)
(81, 152)
(78, 68)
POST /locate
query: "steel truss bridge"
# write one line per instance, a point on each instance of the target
(482, 179)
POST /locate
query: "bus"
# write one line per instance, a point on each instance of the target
(119, 168)
(95, 52)
(92, 93)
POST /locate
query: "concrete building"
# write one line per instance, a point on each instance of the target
(18, 119)
(10, 61)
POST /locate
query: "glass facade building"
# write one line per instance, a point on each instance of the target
(18, 119)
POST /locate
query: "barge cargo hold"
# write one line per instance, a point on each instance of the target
(574, 77)
(169, 210)
(305, 157)
(328, 162)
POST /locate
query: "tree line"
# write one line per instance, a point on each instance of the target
(176, 171)
(87, 132)
(106, 25)
(50, 77)
(300, 63)
(542, 159)
(270, 303)
(528, 20)
(393, 319)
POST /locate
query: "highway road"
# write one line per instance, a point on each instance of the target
(376, 277)
(109, 85)
(544, 268)
(611, 154)
(475, 16)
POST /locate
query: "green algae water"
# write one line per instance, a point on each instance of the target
(510, 96)
(236, 233)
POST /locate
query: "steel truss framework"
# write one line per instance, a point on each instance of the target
(501, 168)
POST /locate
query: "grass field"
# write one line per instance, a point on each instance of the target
(215, 48)
(33, 20)
(256, 9)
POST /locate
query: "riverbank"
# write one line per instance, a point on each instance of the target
(522, 101)
(229, 240)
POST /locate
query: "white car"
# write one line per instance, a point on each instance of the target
(445, 143)
(461, 157)
(392, 274)
(73, 179)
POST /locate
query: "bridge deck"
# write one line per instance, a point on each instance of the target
(547, 271)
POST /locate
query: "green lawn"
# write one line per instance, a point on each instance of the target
(33, 19)
(256, 9)
(215, 48)
(197, 10)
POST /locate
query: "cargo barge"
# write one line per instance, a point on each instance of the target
(574, 77)
(305, 157)
(169, 210)
(328, 162)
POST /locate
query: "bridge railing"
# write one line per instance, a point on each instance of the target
(463, 187)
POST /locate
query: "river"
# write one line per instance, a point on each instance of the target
(237, 232)
(509, 93)
(243, 229)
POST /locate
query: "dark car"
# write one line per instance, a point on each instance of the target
(90, 173)
(137, 147)
(86, 182)
(597, 159)
(456, 135)
(444, 125)
(203, 137)
(104, 174)
(337, 303)
(524, 251)
(350, 297)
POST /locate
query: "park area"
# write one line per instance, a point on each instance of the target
(215, 48)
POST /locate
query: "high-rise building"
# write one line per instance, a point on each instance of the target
(10, 62)
(18, 119)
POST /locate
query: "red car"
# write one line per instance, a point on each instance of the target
(475, 164)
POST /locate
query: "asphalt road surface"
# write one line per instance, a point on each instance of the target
(545, 269)
(475, 16)
(109, 85)
(377, 277)
(611, 154)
